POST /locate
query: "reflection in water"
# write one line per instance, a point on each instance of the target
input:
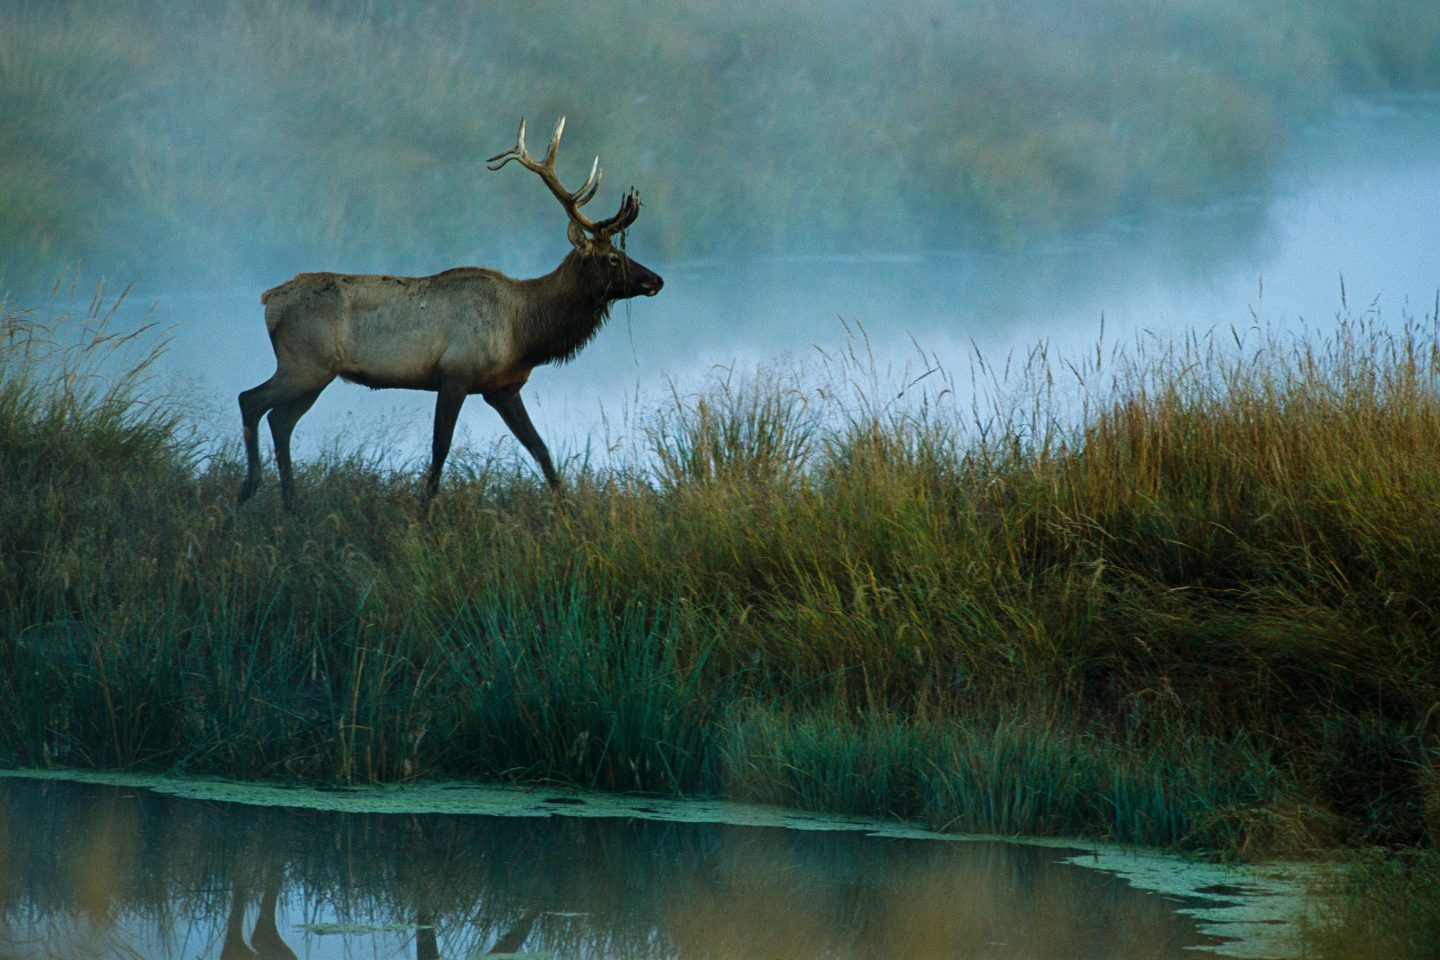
(265, 940)
(107, 872)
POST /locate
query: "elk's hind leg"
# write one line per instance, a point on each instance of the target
(283, 418)
(253, 404)
(286, 400)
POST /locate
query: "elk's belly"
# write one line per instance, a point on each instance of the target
(475, 376)
(419, 370)
(387, 382)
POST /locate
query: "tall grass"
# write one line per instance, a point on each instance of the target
(1181, 595)
(1381, 904)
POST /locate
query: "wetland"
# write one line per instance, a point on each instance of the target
(200, 869)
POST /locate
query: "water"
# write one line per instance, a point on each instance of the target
(1354, 208)
(103, 870)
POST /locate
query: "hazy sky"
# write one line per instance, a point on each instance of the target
(1360, 202)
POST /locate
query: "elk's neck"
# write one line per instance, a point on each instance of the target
(565, 312)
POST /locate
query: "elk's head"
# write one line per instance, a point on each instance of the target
(607, 266)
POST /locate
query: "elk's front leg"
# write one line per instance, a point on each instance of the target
(508, 404)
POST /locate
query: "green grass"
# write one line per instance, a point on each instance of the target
(1383, 903)
(1187, 600)
(224, 141)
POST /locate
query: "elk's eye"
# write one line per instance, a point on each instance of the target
(614, 259)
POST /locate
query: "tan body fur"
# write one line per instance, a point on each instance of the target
(412, 332)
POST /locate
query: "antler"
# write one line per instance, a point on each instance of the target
(572, 202)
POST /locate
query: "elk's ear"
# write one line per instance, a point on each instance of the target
(579, 239)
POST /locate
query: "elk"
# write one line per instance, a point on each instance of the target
(464, 331)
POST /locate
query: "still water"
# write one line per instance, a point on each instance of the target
(107, 870)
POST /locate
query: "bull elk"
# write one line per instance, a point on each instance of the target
(465, 331)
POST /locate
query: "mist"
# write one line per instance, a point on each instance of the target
(950, 176)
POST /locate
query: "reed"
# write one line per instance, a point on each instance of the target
(1382, 903)
(1179, 595)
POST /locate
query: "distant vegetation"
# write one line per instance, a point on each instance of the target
(229, 142)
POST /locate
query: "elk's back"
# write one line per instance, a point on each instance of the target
(387, 331)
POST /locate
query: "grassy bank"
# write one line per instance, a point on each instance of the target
(1199, 611)
(212, 140)
(1383, 904)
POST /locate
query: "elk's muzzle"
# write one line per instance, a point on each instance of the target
(647, 281)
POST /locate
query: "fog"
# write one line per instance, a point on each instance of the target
(963, 176)
(1350, 227)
